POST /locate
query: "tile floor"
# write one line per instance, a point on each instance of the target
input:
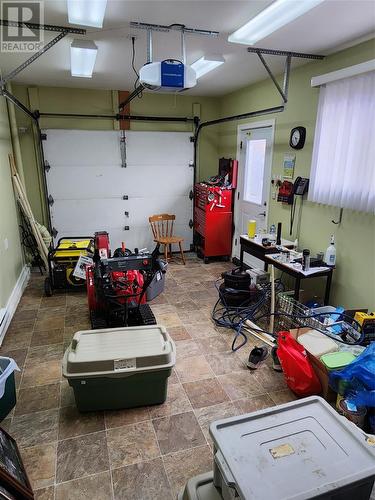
(139, 454)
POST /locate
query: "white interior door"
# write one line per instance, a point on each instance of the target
(91, 190)
(254, 184)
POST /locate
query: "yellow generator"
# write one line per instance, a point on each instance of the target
(67, 262)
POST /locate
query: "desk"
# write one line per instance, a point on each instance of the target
(269, 256)
(255, 248)
(299, 275)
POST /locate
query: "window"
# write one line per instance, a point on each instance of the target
(343, 161)
(254, 170)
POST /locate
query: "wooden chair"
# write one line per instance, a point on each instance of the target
(162, 230)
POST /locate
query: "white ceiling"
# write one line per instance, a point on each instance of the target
(328, 26)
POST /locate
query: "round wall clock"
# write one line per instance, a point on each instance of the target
(297, 137)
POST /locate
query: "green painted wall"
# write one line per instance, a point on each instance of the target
(354, 279)
(11, 260)
(70, 100)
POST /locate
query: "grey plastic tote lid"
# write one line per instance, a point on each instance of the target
(116, 351)
(298, 450)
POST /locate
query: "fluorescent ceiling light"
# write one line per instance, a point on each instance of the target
(272, 18)
(87, 12)
(206, 64)
(82, 58)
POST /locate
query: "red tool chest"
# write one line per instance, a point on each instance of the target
(213, 220)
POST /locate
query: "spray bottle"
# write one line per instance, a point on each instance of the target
(330, 255)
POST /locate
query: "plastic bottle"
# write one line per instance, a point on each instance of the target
(251, 228)
(330, 255)
(273, 234)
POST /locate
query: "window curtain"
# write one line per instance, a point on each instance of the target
(343, 161)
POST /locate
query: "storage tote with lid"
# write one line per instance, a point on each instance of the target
(119, 367)
(299, 450)
(200, 488)
(316, 343)
(337, 360)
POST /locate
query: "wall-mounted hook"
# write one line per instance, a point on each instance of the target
(340, 217)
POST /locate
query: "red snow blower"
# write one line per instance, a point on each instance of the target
(116, 286)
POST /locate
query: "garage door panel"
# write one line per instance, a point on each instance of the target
(88, 194)
(141, 235)
(84, 229)
(169, 148)
(109, 213)
(82, 147)
(141, 209)
(75, 212)
(94, 182)
(154, 179)
(111, 182)
(85, 217)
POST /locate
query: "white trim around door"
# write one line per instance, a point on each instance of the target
(268, 174)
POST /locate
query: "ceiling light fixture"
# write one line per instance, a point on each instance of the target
(277, 15)
(87, 12)
(207, 63)
(82, 58)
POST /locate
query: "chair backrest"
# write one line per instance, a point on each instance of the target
(162, 225)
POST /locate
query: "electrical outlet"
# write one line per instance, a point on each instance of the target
(6, 243)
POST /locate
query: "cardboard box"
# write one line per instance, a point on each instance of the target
(319, 368)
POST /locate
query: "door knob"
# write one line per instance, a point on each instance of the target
(262, 213)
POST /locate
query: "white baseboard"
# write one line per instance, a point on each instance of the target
(13, 301)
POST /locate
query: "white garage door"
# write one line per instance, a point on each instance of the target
(91, 191)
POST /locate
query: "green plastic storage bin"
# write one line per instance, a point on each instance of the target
(119, 368)
(337, 360)
(8, 399)
(200, 488)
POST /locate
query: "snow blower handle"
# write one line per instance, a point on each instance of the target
(157, 263)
